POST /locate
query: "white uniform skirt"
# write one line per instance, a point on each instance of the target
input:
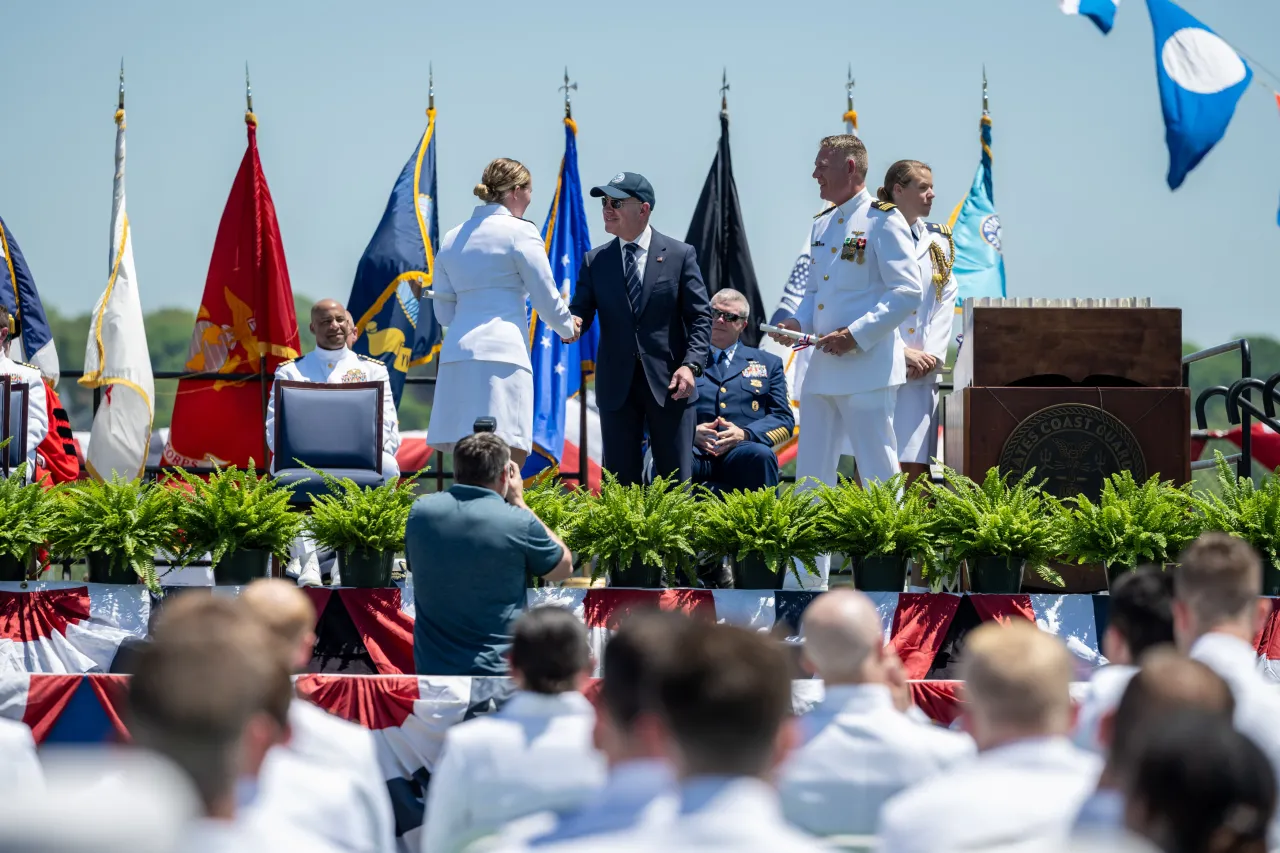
(466, 390)
(913, 422)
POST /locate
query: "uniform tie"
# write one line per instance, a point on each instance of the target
(632, 273)
(723, 357)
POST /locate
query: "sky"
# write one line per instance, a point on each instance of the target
(340, 91)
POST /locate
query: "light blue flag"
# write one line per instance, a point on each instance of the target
(975, 227)
(1201, 78)
(559, 368)
(1101, 12)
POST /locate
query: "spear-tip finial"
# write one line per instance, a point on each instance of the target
(120, 102)
(848, 87)
(431, 87)
(248, 89)
(568, 107)
(724, 88)
(985, 104)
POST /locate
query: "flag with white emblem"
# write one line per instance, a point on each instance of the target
(1101, 12)
(559, 369)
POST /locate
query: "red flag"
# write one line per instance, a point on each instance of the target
(246, 324)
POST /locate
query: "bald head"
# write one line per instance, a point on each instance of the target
(1017, 683)
(843, 638)
(287, 614)
(329, 324)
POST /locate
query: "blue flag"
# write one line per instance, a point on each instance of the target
(559, 368)
(19, 295)
(1101, 12)
(975, 227)
(395, 324)
(1201, 78)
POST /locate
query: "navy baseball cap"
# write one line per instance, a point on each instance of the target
(626, 185)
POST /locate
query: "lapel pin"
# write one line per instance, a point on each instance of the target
(659, 258)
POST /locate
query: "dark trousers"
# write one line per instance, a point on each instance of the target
(670, 434)
(749, 465)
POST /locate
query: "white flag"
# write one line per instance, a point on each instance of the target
(116, 357)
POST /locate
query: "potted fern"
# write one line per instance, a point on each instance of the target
(878, 528)
(998, 529)
(26, 520)
(117, 525)
(1249, 512)
(1130, 524)
(240, 519)
(763, 532)
(557, 507)
(365, 525)
(641, 536)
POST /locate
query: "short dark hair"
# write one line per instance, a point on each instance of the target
(1142, 608)
(549, 649)
(724, 698)
(478, 459)
(635, 658)
(1219, 577)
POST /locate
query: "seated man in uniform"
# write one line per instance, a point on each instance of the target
(37, 414)
(743, 408)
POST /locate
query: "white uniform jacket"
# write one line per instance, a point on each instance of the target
(928, 328)
(336, 366)
(37, 409)
(859, 751)
(864, 277)
(532, 755)
(491, 263)
(1021, 796)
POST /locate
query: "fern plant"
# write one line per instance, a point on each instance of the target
(655, 524)
(556, 506)
(235, 510)
(127, 520)
(1131, 523)
(881, 519)
(26, 515)
(995, 519)
(775, 525)
(1249, 512)
(352, 517)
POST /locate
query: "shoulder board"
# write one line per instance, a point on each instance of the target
(825, 212)
(376, 361)
(883, 206)
(283, 363)
(938, 228)
(32, 366)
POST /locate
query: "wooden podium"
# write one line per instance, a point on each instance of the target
(1076, 389)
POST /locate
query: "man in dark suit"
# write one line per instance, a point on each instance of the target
(655, 329)
(743, 409)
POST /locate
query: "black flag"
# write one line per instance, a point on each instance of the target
(720, 237)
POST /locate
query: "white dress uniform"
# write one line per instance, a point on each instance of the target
(859, 751)
(37, 409)
(1100, 699)
(336, 366)
(532, 755)
(491, 262)
(22, 772)
(1024, 795)
(928, 329)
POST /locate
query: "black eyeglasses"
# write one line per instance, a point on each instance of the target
(727, 316)
(615, 203)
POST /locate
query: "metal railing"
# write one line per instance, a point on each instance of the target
(1244, 465)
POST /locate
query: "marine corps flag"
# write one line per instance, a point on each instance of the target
(19, 295)
(245, 325)
(720, 237)
(396, 266)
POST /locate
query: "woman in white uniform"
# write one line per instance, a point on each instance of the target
(927, 332)
(491, 263)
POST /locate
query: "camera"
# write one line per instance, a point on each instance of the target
(485, 424)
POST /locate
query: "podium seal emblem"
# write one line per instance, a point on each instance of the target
(1073, 448)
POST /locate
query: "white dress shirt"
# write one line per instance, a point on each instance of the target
(534, 754)
(1101, 698)
(729, 352)
(642, 251)
(37, 407)
(859, 751)
(1021, 796)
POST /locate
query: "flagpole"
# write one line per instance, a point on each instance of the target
(850, 114)
(584, 455)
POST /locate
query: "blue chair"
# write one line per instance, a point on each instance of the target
(13, 424)
(335, 428)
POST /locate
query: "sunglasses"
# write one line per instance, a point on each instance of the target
(616, 203)
(727, 316)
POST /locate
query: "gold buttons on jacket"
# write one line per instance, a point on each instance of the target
(826, 277)
(840, 221)
(833, 249)
(821, 306)
(911, 331)
(724, 405)
(724, 390)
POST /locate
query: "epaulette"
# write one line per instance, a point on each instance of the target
(24, 364)
(938, 228)
(825, 212)
(370, 358)
(883, 206)
(283, 363)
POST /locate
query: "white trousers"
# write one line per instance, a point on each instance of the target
(866, 421)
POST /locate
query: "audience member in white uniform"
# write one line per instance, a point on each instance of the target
(204, 695)
(859, 749)
(18, 758)
(1217, 611)
(532, 755)
(1166, 684)
(1139, 617)
(1025, 788)
(326, 778)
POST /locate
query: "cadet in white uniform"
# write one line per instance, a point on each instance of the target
(927, 332)
(491, 263)
(37, 412)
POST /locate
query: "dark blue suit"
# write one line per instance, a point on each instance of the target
(639, 352)
(751, 393)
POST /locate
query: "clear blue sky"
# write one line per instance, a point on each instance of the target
(340, 90)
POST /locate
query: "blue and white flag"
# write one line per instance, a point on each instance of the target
(19, 295)
(975, 227)
(1101, 12)
(559, 368)
(1201, 78)
(393, 324)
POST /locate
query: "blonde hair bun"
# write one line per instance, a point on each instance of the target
(482, 192)
(501, 177)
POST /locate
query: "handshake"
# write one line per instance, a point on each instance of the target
(577, 331)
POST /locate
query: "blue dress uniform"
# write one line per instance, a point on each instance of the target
(748, 388)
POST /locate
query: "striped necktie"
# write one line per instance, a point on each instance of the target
(632, 273)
